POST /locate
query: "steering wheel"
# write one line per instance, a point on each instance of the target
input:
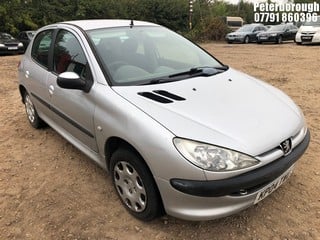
(115, 65)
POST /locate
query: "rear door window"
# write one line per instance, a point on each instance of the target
(41, 46)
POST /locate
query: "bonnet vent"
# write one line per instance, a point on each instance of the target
(169, 95)
(161, 96)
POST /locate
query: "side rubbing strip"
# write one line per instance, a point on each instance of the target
(60, 114)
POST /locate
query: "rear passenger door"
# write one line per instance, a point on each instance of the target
(36, 72)
(73, 110)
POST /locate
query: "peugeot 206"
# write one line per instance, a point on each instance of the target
(180, 132)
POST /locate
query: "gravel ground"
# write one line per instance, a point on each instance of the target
(50, 190)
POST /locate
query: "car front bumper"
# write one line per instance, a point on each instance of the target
(235, 39)
(268, 39)
(13, 50)
(205, 200)
(307, 37)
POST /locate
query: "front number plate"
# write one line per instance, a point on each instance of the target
(271, 187)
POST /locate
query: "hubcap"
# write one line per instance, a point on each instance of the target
(130, 186)
(29, 109)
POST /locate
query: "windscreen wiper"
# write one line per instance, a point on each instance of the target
(197, 71)
(192, 72)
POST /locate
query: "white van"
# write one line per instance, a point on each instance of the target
(234, 23)
(309, 32)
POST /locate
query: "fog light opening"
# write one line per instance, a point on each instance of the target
(243, 192)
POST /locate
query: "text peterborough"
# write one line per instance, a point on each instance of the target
(287, 7)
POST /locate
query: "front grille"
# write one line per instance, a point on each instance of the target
(307, 36)
(308, 33)
(11, 45)
(277, 152)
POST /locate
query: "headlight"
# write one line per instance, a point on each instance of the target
(273, 34)
(20, 44)
(213, 158)
(2, 45)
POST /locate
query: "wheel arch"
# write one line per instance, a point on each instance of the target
(22, 91)
(114, 143)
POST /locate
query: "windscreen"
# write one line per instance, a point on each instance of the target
(313, 23)
(134, 55)
(5, 36)
(277, 28)
(245, 28)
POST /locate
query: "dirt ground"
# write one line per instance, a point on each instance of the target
(50, 190)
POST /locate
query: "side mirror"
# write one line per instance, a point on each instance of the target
(71, 80)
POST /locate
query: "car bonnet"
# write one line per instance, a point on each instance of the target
(230, 109)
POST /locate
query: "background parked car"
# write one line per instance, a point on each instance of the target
(247, 33)
(309, 32)
(25, 37)
(278, 33)
(9, 44)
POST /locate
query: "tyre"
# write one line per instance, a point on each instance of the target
(246, 40)
(135, 185)
(31, 111)
(279, 40)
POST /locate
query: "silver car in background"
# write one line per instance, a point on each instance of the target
(180, 132)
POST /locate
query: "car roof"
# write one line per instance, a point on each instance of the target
(28, 31)
(106, 23)
(255, 24)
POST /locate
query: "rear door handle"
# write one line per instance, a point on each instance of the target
(27, 73)
(51, 89)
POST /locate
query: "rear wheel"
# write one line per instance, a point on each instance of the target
(135, 185)
(31, 111)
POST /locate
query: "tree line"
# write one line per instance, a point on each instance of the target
(206, 21)
(19, 15)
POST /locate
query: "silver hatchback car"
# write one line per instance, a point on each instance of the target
(180, 132)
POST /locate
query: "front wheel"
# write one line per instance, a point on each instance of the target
(246, 40)
(135, 185)
(31, 111)
(279, 40)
